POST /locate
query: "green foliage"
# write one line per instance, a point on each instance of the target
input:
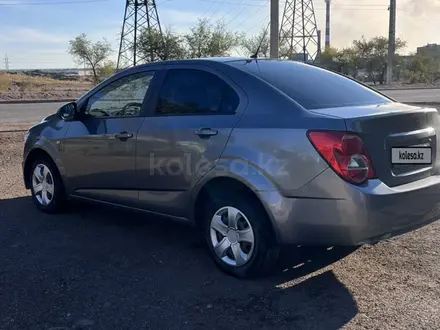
(374, 54)
(364, 58)
(251, 44)
(420, 69)
(5, 82)
(346, 61)
(106, 70)
(84, 50)
(368, 55)
(206, 40)
(203, 40)
(165, 46)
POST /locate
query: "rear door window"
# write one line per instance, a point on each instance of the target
(190, 91)
(312, 87)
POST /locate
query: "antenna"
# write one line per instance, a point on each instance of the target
(140, 16)
(261, 41)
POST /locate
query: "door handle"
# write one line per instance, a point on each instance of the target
(123, 136)
(204, 132)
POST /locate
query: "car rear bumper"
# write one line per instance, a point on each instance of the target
(349, 215)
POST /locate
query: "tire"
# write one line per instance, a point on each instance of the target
(261, 257)
(53, 201)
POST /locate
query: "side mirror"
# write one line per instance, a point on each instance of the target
(68, 111)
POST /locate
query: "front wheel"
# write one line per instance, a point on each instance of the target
(46, 186)
(238, 235)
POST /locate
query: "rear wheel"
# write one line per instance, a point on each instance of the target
(238, 235)
(46, 186)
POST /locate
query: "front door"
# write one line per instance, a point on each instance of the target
(196, 110)
(100, 148)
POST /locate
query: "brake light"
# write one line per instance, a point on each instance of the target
(345, 153)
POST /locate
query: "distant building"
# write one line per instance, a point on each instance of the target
(430, 50)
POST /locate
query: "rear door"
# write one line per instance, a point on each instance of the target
(196, 110)
(100, 148)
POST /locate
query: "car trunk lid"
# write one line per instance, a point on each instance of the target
(393, 125)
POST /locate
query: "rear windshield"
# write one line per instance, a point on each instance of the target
(312, 87)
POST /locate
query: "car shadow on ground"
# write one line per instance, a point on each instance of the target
(106, 268)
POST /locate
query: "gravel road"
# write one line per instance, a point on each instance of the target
(101, 268)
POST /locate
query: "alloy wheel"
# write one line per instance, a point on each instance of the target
(43, 185)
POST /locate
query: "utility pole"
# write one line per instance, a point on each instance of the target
(391, 41)
(274, 28)
(6, 62)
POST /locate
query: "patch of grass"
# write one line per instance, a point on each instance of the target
(5, 82)
(26, 83)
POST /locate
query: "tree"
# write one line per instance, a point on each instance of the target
(261, 41)
(286, 53)
(344, 61)
(328, 59)
(422, 69)
(205, 40)
(106, 70)
(373, 54)
(84, 50)
(165, 46)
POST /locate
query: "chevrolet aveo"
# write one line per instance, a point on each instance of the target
(256, 153)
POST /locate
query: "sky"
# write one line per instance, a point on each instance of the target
(36, 33)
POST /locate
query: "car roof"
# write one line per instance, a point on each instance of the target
(224, 60)
(205, 59)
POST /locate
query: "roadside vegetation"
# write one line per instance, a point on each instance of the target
(26, 86)
(365, 59)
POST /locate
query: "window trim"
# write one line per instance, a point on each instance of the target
(203, 68)
(97, 89)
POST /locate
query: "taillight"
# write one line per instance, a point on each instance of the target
(345, 153)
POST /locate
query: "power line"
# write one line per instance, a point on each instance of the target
(207, 10)
(238, 14)
(259, 23)
(230, 10)
(217, 10)
(46, 3)
(249, 17)
(235, 3)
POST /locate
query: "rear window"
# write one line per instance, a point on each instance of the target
(312, 87)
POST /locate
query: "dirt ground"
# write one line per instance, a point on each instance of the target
(100, 268)
(25, 87)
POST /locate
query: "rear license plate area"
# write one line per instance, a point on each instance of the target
(411, 156)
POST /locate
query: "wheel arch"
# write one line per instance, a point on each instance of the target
(201, 196)
(37, 153)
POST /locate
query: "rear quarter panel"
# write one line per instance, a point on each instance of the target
(268, 148)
